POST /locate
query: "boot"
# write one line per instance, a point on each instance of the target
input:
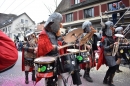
(117, 69)
(26, 77)
(111, 80)
(85, 72)
(87, 75)
(33, 75)
(105, 81)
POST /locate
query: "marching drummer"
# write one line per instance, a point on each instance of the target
(92, 46)
(118, 30)
(28, 56)
(48, 45)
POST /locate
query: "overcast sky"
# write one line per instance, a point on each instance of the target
(37, 10)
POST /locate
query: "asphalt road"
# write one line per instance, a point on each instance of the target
(15, 77)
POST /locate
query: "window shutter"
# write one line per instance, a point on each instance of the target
(72, 2)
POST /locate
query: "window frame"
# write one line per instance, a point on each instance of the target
(92, 12)
(76, 1)
(22, 21)
(71, 17)
(117, 3)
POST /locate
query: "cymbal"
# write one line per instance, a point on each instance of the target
(87, 37)
(73, 35)
(73, 50)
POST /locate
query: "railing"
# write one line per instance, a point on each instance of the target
(122, 16)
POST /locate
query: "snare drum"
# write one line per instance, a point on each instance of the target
(45, 66)
(67, 63)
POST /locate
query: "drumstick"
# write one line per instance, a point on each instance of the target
(66, 45)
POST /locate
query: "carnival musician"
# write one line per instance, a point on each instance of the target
(92, 46)
(48, 44)
(108, 44)
(118, 30)
(28, 56)
(121, 51)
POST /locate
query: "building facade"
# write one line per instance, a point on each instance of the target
(17, 26)
(75, 12)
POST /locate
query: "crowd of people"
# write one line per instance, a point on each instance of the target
(47, 44)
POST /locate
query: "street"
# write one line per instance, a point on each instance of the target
(15, 77)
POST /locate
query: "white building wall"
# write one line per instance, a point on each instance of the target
(17, 24)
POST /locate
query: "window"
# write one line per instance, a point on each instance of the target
(22, 21)
(88, 13)
(26, 21)
(110, 5)
(9, 28)
(6, 30)
(69, 17)
(77, 1)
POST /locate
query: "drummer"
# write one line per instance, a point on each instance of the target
(48, 45)
(28, 56)
(92, 46)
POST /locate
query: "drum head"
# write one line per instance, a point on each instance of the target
(44, 60)
(73, 50)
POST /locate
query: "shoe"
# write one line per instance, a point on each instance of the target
(105, 82)
(118, 71)
(26, 81)
(26, 77)
(88, 78)
(111, 84)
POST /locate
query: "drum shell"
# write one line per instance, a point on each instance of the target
(49, 67)
(84, 57)
(67, 63)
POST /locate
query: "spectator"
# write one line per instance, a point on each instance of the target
(121, 6)
(20, 46)
(114, 15)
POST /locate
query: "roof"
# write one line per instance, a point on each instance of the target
(64, 5)
(6, 19)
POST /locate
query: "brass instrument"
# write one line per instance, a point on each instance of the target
(116, 46)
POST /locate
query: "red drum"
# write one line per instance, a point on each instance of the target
(45, 66)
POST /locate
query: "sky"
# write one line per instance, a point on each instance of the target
(37, 10)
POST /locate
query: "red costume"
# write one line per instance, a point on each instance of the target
(101, 59)
(44, 47)
(8, 52)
